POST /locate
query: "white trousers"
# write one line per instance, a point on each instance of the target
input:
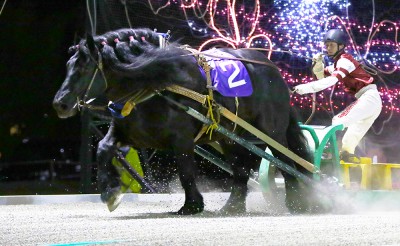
(359, 116)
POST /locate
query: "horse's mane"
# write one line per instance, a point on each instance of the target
(125, 34)
(125, 45)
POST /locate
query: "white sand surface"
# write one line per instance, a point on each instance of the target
(144, 220)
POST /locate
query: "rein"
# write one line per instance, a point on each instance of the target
(201, 53)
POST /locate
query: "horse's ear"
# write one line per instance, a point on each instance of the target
(90, 43)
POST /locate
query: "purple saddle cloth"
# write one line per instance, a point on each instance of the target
(229, 77)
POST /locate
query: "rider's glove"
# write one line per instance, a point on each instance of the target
(318, 66)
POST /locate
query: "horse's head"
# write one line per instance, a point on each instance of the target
(80, 81)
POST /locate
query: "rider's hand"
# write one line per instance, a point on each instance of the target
(318, 66)
(304, 89)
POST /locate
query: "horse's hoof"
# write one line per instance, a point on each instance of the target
(230, 209)
(190, 209)
(297, 205)
(114, 199)
(113, 203)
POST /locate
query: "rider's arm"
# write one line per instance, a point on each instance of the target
(343, 68)
(324, 83)
(316, 86)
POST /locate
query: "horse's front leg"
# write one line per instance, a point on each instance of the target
(107, 175)
(187, 170)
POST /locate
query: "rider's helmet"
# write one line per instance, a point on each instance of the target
(337, 36)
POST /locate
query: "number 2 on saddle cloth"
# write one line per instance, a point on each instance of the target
(229, 76)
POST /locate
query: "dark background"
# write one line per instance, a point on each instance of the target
(40, 153)
(34, 38)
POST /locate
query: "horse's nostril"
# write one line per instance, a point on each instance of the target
(63, 107)
(60, 106)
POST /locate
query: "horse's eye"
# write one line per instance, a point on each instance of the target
(85, 66)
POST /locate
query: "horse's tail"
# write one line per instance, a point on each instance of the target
(296, 140)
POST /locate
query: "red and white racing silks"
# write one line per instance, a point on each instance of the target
(359, 116)
(349, 71)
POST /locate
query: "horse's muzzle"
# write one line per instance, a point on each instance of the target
(64, 110)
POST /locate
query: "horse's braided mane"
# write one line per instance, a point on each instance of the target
(134, 37)
(124, 35)
(128, 51)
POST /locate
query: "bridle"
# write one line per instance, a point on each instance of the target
(85, 102)
(131, 99)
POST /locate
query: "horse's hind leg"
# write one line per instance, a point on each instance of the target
(296, 193)
(107, 176)
(241, 160)
(187, 174)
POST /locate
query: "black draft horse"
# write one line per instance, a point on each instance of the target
(121, 63)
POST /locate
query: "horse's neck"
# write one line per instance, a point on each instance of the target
(117, 87)
(154, 75)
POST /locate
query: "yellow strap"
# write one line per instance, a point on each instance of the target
(126, 110)
(215, 123)
(187, 93)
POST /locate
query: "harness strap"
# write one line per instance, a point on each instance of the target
(90, 85)
(203, 129)
(195, 96)
(245, 125)
(188, 93)
(199, 53)
(237, 111)
(135, 99)
(99, 67)
(206, 67)
(271, 142)
(202, 61)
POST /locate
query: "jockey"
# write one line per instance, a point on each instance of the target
(359, 116)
